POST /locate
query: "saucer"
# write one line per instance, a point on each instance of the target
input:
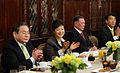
(46, 67)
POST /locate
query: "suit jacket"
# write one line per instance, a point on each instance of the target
(51, 48)
(13, 57)
(104, 36)
(75, 36)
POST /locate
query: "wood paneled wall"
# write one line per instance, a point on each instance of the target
(72, 8)
(115, 8)
(11, 12)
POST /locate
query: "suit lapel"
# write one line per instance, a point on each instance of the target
(53, 40)
(18, 50)
(109, 32)
(30, 53)
(78, 34)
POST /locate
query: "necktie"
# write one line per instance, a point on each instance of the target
(83, 35)
(112, 32)
(25, 53)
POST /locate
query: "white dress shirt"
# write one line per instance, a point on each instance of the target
(115, 37)
(31, 58)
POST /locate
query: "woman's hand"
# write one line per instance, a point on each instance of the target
(74, 45)
(65, 45)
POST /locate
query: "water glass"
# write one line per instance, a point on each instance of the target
(53, 57)
(13, 71)
(22, 67)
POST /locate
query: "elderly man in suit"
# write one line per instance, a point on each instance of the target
(110, 32)
(77, 34)
(18, 51)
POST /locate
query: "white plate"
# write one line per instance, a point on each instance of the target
(46, 67)
(76, 54)
(97, 71)
(27, 72)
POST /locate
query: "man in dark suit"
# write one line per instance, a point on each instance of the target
(109, 32)
(18, 51)
(77, 34)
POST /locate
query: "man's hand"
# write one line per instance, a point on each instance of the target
(37, 54)
(117, 32)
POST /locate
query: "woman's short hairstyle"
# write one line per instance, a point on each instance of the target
(56, 23)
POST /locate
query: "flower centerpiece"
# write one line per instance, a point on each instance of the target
(67, 63)
(114, 47)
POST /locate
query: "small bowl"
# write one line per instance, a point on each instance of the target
(105, 64)
(113, 64)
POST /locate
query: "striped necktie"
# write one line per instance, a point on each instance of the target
(112, 32)
(25, 53)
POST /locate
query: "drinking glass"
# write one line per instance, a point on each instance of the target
(53, 57)
(13, 71)
(22, 68)
(100, 54)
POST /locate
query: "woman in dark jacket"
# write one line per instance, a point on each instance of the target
(56, 45)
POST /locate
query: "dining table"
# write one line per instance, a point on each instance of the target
(93, 67)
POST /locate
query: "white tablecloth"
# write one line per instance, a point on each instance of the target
(95, 65)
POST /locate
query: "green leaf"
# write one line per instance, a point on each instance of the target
(74, 68)
(54, 70)
(61, 65)
(64, 70)
(70, 66)
(72, 72)
(109, 52)
(82, 66)
(118, 49)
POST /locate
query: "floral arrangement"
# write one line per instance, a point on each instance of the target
(67, 63)
(113, 46)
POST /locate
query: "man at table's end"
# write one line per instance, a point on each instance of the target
(77, 34)
(18, 51)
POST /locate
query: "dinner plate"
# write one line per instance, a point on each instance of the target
(97, 71)
(27, 72)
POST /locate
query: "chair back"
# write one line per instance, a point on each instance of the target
(94, 40)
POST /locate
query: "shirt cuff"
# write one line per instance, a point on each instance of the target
(69, 52)
(115, 37)
(33, 60)
(60, 53)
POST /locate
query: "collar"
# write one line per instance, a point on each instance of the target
(20, 44)
(110, 28)
(78, 30)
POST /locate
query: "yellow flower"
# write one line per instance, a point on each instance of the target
(113, 46)
(78, 60)
(72, 55)
(67, 58)
(68, 61)
(53, 62)
(63, 58)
